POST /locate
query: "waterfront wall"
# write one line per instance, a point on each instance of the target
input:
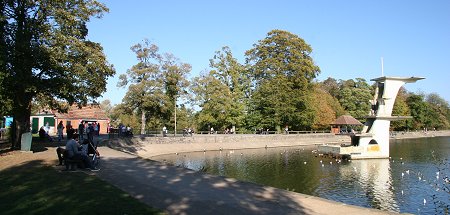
(148, 147)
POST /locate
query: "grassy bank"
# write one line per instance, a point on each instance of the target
(34, 188)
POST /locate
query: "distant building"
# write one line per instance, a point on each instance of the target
(89, 113)
(6, 122)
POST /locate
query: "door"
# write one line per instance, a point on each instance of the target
(34, 125)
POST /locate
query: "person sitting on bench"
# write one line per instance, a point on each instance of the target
(74, 153)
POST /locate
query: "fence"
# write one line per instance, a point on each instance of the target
(170, 133)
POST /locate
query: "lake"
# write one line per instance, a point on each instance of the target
(414, 180)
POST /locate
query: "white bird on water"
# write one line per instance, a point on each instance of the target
(304, 162)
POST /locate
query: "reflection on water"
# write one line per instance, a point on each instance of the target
(412, 181)
(373, 179)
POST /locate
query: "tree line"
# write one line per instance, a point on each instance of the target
(275, 87)
(46, 60)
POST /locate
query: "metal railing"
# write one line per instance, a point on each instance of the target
(181, 133)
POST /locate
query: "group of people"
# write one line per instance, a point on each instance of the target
(78, 142)
(90, 129)
(78, 152)
(187, 131)
(124, 131)
(229, 131)
(84, 128)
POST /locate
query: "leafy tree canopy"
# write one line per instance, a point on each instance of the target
(45, 54)
(282, 71)
(154, 83)
(222, 93)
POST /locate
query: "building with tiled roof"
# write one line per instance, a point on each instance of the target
(90, 113)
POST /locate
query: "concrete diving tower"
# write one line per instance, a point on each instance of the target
(373, 141)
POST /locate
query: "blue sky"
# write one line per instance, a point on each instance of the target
(348, 37)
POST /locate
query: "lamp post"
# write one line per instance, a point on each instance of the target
(175, 118)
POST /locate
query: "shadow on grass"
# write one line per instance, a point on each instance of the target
(34, 188)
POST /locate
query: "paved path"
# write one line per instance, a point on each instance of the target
(181, 191)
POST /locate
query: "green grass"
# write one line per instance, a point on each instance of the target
(34, 188)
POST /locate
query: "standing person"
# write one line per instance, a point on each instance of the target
(164, 131)
(60, 131)
(95, 126)
(81, 131)
(90, 132)
(70, 131)
(98, 129)
(47, 129)
(120, 129)
(124, 130)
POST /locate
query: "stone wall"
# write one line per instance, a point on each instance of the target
(152, 146)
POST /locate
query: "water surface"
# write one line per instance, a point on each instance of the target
(412, 181)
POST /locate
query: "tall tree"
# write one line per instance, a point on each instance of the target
(145, 83)
(419, 110)
(154, 83)
(326, 109)
(175, 83)
(354, 96)
(45, 53)
(439, 111)
(282, 71)
(401, 109)
(106, 106)
(231, 88)
(331, 86)
(214, 99)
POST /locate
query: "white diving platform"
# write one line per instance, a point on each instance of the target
(373, 142)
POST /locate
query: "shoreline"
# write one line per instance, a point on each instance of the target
(150, 147)
(214, 194)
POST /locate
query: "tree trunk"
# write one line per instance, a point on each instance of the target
(21, 124)
(22, 65)
(143, 121)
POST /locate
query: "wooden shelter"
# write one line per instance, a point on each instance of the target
(344, 120)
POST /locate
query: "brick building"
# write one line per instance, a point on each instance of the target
(89, 113)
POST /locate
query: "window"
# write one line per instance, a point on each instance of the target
(50, 120)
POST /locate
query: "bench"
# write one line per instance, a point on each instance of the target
(71, 163)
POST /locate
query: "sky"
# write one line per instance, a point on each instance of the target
(348, 37)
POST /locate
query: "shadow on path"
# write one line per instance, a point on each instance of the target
(182, 191)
